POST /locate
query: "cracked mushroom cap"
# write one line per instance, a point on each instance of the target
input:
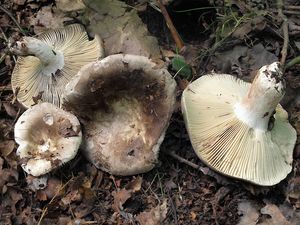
(47, 63)
(125, 105)
(230, 140)
(48, 137)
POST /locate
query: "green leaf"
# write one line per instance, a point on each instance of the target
(181, 67)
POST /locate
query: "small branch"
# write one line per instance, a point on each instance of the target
(13, 19)
(285, 30)
(183, 160)
(290, 12)
(175, 34)
(292, 7)
(5, 88)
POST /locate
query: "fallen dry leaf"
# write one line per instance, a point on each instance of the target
(135, 185)
(121, 196)
(48, 17)
(6, 147)
(54, 188)
(155, 216)
(276, 217)
(249, 211)
(73, 196)
(10, 110)
(70, 5)
(293, 192)
(121, 28)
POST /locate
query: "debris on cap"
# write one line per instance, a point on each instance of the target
(124, 103)
(48, 137)
(239, 129)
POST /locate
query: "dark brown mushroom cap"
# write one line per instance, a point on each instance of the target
(125, 105)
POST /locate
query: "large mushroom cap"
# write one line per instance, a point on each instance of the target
(40, 76)
(124, 104)
(227, 144)
(48, 137)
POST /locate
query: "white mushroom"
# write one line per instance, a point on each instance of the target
(125, 105)
(51, 61)
(239, 129)
(48, 137)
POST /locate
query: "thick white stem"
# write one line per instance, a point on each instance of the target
(263, 96)
(51, 59)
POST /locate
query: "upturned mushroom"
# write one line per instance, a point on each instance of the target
(240, 129)
(124, 104)
(51, 61)
(48, 137)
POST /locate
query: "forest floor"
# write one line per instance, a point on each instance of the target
(231, 37)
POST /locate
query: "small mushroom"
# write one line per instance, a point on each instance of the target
(239, 129)
(51, 61)
(48, 137)
(124, 103)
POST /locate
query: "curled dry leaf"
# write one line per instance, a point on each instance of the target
(70, 5)
(6, 147)
(54, 188)
(249, 212)
(121, 28)
(48, 17)
(10, 110)
(121, 196)
(155, 216)
(276, 217)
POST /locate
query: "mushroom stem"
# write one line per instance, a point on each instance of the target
(262, 98)
(29, 46)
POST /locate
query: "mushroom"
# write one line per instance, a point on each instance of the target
(239, 129)
(124, 104)
(51, 61)
(48, 137)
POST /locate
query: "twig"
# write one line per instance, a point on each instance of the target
(5, 88)
(13, 19)
(178, 41)
(292, 7)
(45, 209)
(183, 160)
(291, 12)
(285, 30)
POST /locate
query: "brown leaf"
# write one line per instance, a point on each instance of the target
(122, 29)
(120, 197)
(10, 110)
(54, 188)
(293, 192)
(249, 212)
(19, 2)
(135, 185)
(6, 147)
(48, 17)
(276, 216)
(256, 24)
(73, 196)
(155, 216)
